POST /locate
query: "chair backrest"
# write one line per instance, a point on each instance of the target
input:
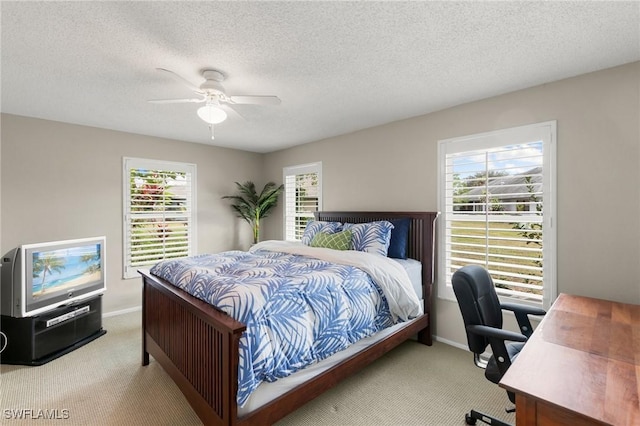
(478, 302)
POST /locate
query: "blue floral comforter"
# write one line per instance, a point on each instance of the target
(298, 309)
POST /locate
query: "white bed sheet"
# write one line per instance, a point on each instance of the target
(414, 270)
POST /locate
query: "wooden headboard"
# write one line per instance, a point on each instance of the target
(421, 239)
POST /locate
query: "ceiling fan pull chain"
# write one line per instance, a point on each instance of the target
(211, 128)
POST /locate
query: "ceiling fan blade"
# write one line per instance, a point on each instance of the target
(176, 101)
(255, 100)
(181, 80)
(233, 112)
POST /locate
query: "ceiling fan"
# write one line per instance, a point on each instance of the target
(213, 95)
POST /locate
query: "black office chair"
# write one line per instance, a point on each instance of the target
(482, 314)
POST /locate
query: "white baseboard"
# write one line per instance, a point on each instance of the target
(485, 356)
(452, 343)
(122, 312)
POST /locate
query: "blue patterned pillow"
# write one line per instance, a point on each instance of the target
(372, 237)
(315, 226)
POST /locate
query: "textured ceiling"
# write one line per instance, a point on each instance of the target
(336, 66)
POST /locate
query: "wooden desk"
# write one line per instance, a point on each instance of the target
(581, 366)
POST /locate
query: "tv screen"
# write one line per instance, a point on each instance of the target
(61, 272)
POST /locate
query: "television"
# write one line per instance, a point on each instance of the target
(36, 278)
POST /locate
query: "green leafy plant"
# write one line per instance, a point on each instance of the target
(532, 231)
(251, 206)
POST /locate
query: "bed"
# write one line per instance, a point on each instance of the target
(198, 345)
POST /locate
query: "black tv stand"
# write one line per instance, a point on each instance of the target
(42, 338)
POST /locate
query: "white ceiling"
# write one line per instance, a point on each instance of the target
(337, 66)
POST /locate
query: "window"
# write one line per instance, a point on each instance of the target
(303, 196)
(497, 194)
(159, 212)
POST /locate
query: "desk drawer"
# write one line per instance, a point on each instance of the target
(530, 412)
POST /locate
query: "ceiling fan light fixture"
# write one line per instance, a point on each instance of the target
(212, 114)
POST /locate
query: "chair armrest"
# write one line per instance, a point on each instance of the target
(526, 309)
(496, 333)
(522, 313)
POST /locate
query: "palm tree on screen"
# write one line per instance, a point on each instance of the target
(46, 264)
(93, 262)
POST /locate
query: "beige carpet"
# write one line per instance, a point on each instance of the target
(103, 383)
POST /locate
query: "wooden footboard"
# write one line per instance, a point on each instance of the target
(198, 345)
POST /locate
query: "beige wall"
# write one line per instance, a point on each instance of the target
(394, 167)
(63, 181)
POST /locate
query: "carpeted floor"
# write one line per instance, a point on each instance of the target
(103, 383)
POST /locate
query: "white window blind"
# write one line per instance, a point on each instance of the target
(159, 204)
(303, 196)
(498, 199)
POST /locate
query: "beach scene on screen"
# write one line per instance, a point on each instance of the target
(64, 269)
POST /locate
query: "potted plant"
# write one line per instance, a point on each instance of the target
(251, 206)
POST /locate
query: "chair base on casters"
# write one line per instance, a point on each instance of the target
(473, 416)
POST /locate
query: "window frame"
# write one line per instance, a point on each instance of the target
(300, 169)
(131, 163)
(545, 131)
